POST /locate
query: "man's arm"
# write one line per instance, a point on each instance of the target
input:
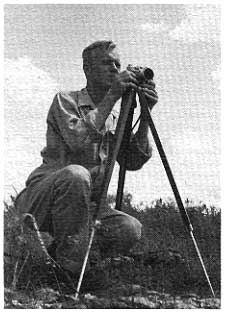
(123, 80)
(78, 130)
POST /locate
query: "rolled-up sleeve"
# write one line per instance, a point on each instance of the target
(76, 130)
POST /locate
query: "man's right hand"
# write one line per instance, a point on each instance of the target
(125, 79)
(120, 83)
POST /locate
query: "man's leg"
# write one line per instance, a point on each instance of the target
(118, 234)
(60, 203)
(63, 198)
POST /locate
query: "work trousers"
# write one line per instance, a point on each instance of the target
(61, 205)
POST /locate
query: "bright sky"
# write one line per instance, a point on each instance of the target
(181, 43)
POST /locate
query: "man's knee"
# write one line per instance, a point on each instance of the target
(131, 229)
(119, 233)
(76, 173)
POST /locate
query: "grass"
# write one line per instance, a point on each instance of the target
(164, 231)
(164, 260)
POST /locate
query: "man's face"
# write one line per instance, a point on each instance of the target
(104, 68)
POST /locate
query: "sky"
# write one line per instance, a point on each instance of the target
(180, 42)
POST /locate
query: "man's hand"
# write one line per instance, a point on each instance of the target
(125, 79)
(148, 88)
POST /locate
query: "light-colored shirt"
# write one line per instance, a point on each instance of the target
(74, 137)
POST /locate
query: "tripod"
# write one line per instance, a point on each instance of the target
(123, 134)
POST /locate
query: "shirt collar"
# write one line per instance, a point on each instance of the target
(84, 99)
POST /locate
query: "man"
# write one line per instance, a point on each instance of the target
(80, 133)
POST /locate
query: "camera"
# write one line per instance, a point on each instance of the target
(142, 73)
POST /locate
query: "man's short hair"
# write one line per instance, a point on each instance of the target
(103, 45)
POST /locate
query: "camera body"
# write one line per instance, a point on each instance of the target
(142, 73)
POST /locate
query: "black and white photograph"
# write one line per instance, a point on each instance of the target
(112, 155)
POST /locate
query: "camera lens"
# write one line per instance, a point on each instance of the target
(148, 73)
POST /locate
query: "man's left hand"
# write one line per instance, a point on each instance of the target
(148, 88)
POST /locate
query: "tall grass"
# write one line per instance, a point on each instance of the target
(165, 259)
(164, 234)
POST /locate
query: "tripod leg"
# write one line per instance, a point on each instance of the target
(124, 147)
(166, 165)
(127, 101)
(125, 108)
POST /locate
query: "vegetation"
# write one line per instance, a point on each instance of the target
(163, 262)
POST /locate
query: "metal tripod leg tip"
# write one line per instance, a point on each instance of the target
(76, 297)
